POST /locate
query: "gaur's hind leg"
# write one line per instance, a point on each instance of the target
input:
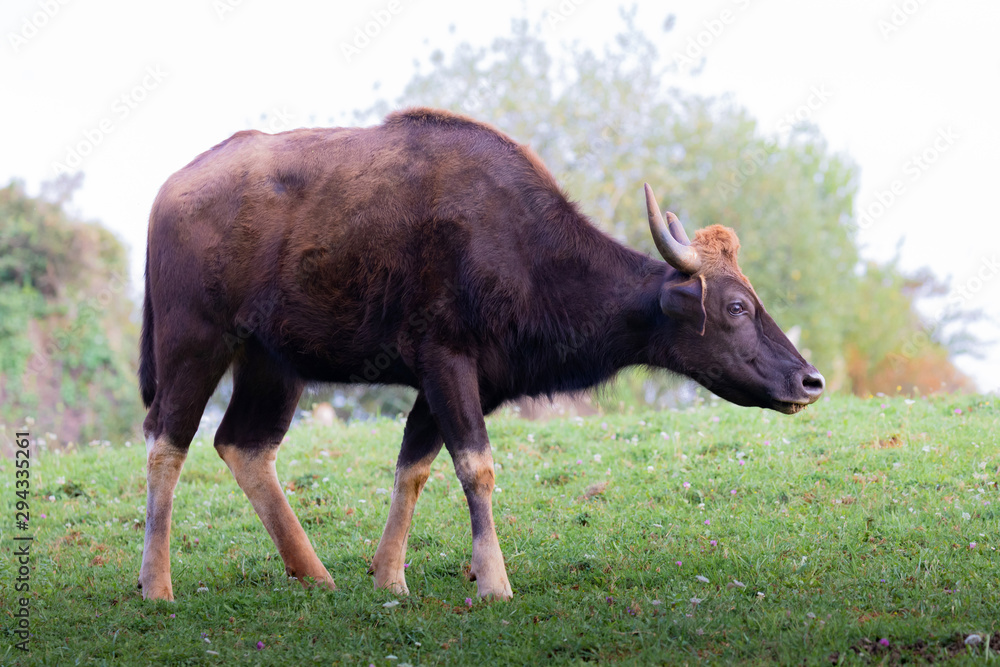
(190, 366)
(421, 444)
(264, 398)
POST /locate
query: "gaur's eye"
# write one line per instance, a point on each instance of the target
(736, 308)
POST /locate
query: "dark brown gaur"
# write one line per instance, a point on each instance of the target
(431, 251)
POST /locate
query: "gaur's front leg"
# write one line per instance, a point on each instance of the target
(451, 385)
(421, 444)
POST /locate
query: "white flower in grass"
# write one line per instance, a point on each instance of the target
(702, 579)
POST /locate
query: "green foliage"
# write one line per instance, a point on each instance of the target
(67, 339)
(854, 521)
(18, 307)
(604, 123)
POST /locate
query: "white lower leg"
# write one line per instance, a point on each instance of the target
(475, 471)
(163, 469)
(488, 568)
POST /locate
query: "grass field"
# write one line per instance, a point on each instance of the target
(858, 532)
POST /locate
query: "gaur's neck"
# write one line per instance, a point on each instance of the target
(600, 316)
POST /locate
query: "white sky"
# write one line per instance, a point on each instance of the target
(890, 95)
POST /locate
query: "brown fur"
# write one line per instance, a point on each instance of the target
(444, 117)
(718, 247)
(431, 251)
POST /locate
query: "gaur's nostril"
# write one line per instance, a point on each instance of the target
(814, 383)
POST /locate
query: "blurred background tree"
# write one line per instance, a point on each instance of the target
(604, 123)
(67, 330)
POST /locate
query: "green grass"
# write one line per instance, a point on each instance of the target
(847, 524)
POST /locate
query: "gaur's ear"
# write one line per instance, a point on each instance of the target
(686, 301)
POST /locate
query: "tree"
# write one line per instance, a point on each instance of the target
(67, 338)
(604, 123)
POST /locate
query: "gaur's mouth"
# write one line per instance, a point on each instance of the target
(789, 407)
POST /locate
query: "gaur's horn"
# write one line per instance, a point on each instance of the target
(677, 229)
(678, 254)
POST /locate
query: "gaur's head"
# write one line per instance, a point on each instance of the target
(716, 330)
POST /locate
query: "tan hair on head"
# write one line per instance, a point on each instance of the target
(717, 246)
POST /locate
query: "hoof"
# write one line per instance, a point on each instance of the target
(157, 592)
(491, 582)
(496, 590)
(389, 579)
(394, 587)
(496, 594)
(321, 582)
